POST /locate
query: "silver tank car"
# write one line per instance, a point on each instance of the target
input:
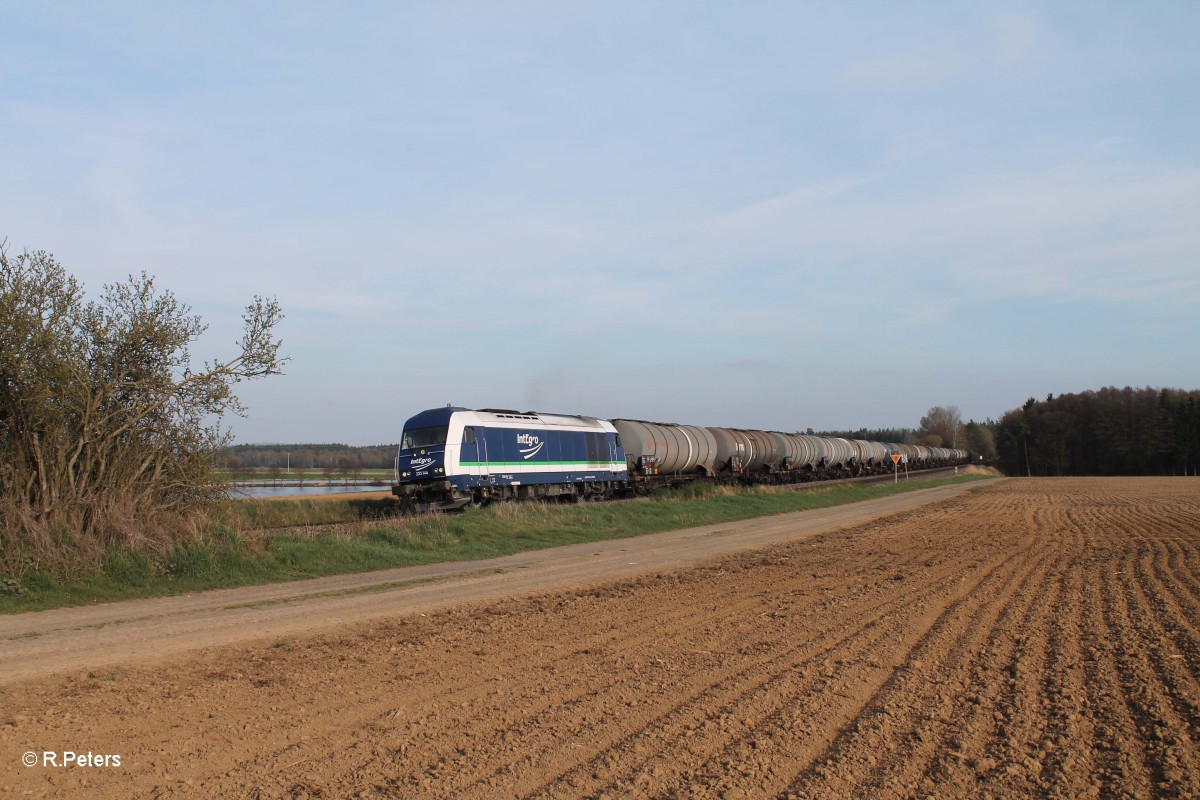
(871, 453)
(803, 452)
(733, 447)
(674, 449)
(844, 453)
(797, 452)
(812, 451)
(671, 449)
(783, 449)
(763, 452)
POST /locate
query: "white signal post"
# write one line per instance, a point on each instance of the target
(896, 466)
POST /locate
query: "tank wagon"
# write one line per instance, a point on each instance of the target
(453, 457)
(665, 449)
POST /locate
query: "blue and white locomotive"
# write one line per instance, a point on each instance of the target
(453, 457)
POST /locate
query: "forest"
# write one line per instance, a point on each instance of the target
(310, 456)
(1110, 431)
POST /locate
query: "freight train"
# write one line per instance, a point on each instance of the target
(451, 458)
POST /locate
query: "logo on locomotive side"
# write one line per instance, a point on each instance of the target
(420, 463)
(533, 445)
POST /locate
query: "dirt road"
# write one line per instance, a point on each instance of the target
(37, 644)
(1036, 638)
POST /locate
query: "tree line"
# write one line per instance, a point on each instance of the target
(942, 426)
(310, 456)
(1110, 431)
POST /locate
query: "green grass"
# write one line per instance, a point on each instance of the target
(228, 558)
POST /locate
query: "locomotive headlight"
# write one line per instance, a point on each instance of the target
(405, 474)
(439, 470)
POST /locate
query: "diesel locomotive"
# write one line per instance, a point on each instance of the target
(451, 458)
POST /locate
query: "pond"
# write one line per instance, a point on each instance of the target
(294, 490)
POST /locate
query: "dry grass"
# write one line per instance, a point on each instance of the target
(59, 549)
(323, 498)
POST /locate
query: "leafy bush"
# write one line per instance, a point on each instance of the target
(108, 431)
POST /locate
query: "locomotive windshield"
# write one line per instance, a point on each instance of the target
(424, 437)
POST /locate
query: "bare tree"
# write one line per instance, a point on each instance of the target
(104, 417)
(978, 437)
(943, 421)
(931, 440)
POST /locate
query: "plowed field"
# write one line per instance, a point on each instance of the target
(1035, 638)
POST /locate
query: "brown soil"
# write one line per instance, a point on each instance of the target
(1036, 638)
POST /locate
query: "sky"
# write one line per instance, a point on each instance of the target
(773, 215)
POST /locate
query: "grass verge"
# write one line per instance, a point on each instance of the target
(233, 553)
(283, 512)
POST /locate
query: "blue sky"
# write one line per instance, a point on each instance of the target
(778, 215)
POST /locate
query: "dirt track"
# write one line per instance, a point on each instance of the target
(112, 634)
(1033, 639)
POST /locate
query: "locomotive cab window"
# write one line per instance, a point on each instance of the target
(468, 436)
(424, 437)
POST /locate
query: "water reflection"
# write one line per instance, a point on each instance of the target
(296, 491)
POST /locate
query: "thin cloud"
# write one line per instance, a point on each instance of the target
(1036, 224)
(912, 71)
(1006, 41)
